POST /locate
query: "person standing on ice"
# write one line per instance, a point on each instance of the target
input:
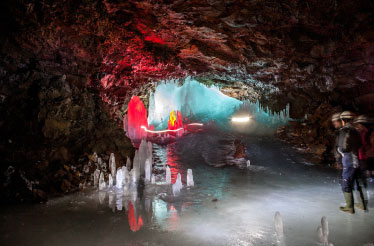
(362, 124)
(348, 145)
(337, 123)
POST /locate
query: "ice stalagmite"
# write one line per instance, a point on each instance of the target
(177, 186)
(278, 225)
(110, 184)
(134, 174)
(125, 176)
(148, 170)
(323, 232)
(128, 164)
(96, 177)
(190, 181)
(168, 175)
(248, 163)
(112, 165)
(102, 183)
(119, 178)
(153, 179)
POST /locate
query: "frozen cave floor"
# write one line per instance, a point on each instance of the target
(228, 206)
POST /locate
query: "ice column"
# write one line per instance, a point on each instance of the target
(177, 186)
(248, 163)
(168, 175)
(112, 165)
(153, 179)
(190, 181)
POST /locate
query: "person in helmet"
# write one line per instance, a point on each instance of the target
(348, 145)
(366, 124)
(362, 126)
(337, 123)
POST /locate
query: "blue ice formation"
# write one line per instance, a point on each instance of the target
(200, 103)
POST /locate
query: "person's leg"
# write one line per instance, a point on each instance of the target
(360, 194)
(347, 184)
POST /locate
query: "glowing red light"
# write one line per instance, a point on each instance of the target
(136, 118)
(135, 224)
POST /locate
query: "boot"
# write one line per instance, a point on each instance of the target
(362, 203)
(348, 208)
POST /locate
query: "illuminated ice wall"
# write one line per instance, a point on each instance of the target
(199, 103)
(195, 101)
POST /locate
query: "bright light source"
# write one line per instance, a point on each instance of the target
(196, 124)
(145, 129)
(240, 119)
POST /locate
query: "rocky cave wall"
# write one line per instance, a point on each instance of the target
(68, 69)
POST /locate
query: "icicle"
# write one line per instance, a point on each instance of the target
(190, 181)
(168, 175)
(177, 186)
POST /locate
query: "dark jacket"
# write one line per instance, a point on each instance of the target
(349, 139)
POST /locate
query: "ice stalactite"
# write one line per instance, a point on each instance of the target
(102, 184)
(112, 164)
(168, 175)
(136, 118)
(262, 115)
(190, 181)
(177, 186)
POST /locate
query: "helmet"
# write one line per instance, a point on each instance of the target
(364, 119)
(348, 115)
(335, 117)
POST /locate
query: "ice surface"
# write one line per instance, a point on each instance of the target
(168, 175)
(119, 178)
(177, 186)
(96, 177)
(102, 184)
(243, 214)
(190, 181)
(112, 164)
